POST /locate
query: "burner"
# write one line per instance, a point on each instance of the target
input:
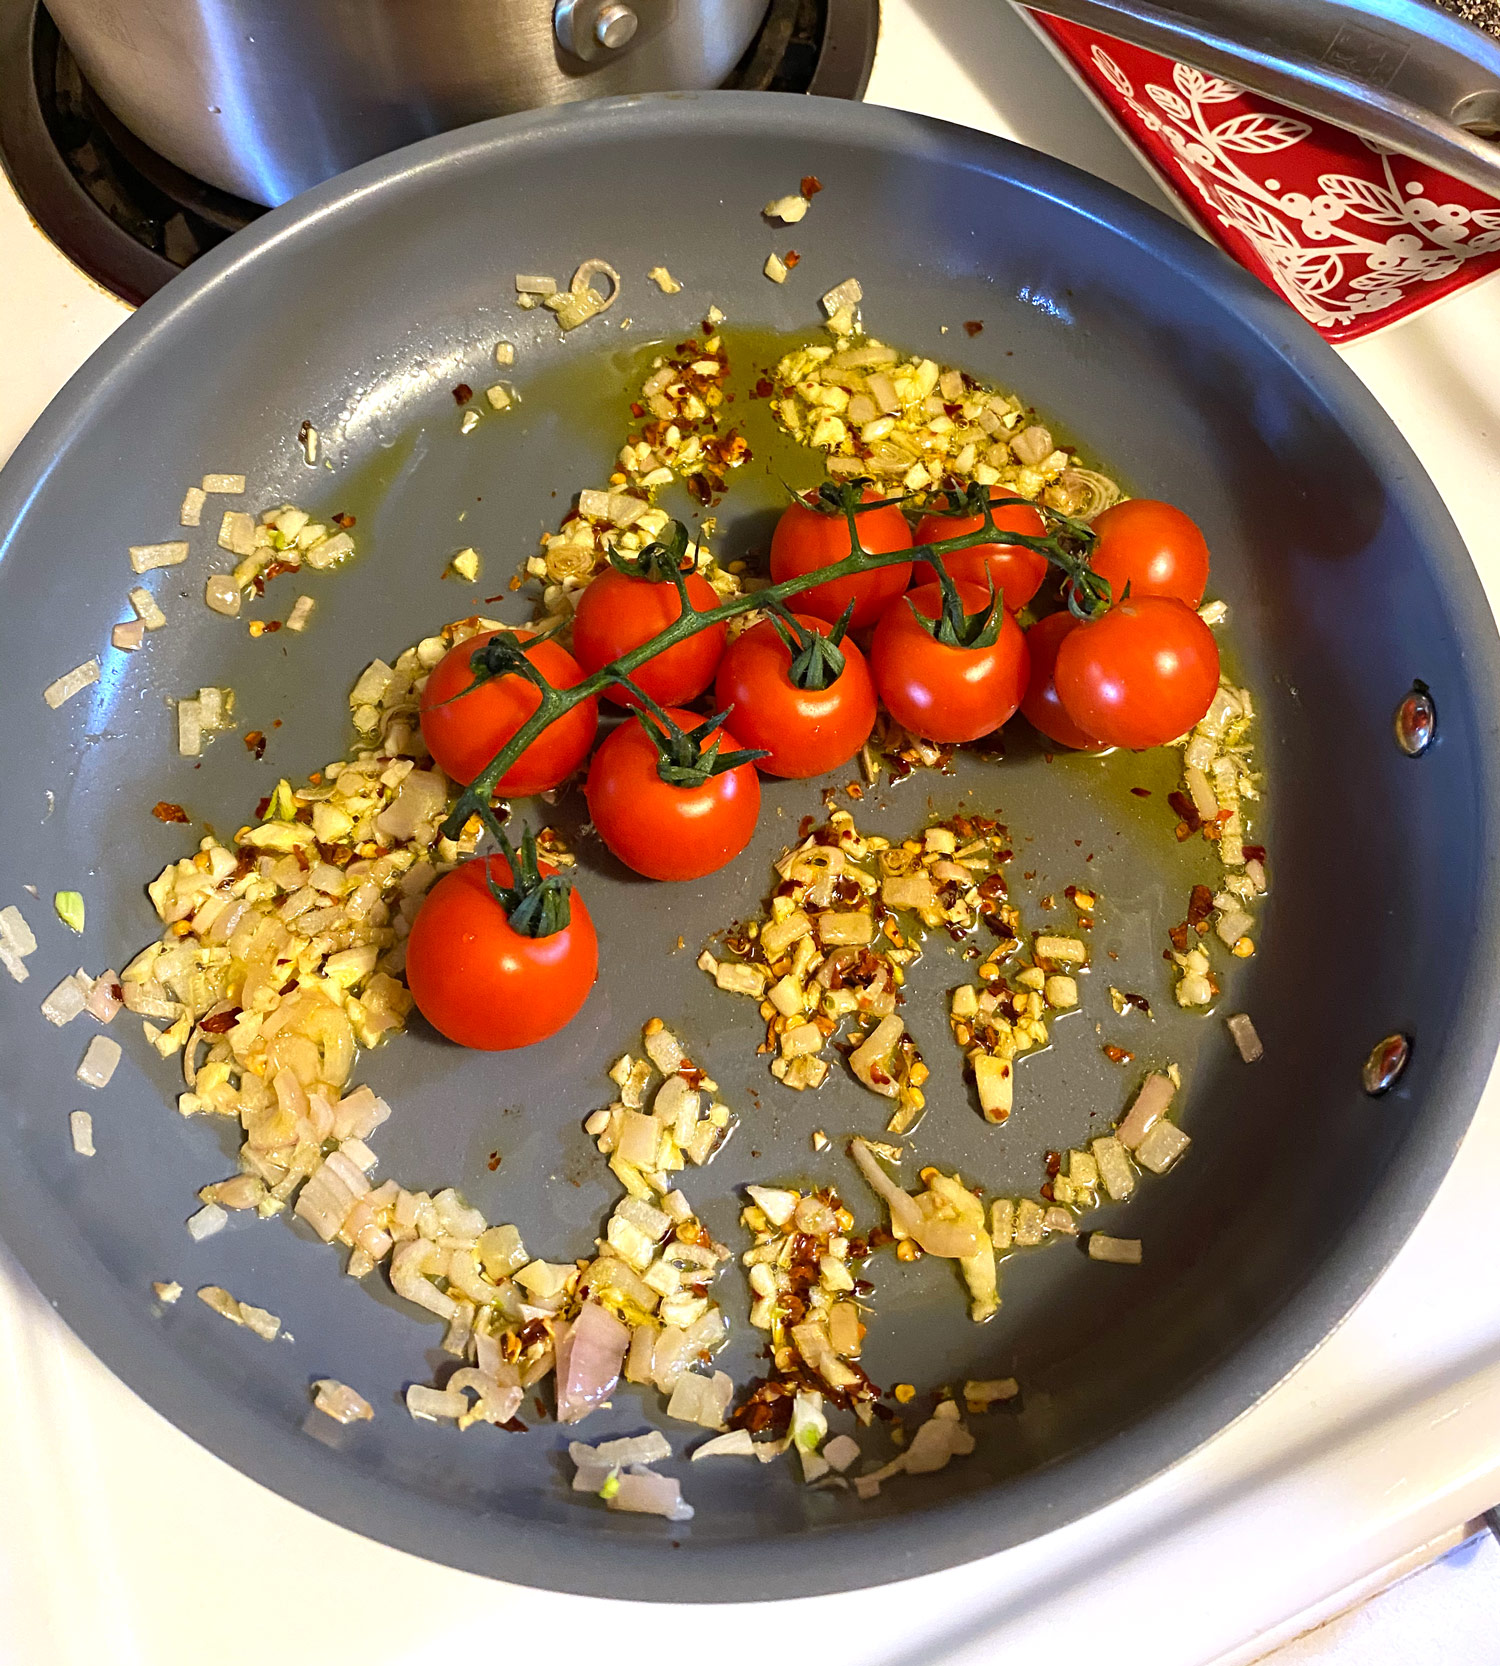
(132, 220)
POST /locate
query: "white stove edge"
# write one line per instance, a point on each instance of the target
(1367, 1459)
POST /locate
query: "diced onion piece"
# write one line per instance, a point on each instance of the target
(222, 595)
(145, 557)
(775, 268)
(128, 636)
(843, 297)
(505, 353)
(616, 1454)
(1114, 1168)
(265, 1325)
(302, 608)
(191, 513)
(340, 1402)
(168, 1292)
(237, 532)
(99, 1062)
(189, 729)
(65, 1002)
(1150, 1104)
(648, 1494)
(1124, 1251)
(789, 210)
(71, 683)
(989, 1392)
(664, 281)
(1162, 1147)
(906, 1217)
(840, 1452)
(1067, 951)
(328, 552)
(230, 484)
(146, 610)
(209, 1220)
(995, 1079)
(1245, 1038)
(701, 1400)
(876, 1048)
(15, 934)
(528, 284)
(736, 1444)
(429, 1404)
(81, 1128)
(105, 997)
(908, 891)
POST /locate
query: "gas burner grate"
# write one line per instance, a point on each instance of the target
(132, 220)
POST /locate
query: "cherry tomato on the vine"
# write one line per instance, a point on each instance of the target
(617, 613)
(804, 731)
(806, 539)
(464, 733)
(666, 831)
(947, 693)
(1152, 547)
(1041, 707)
(1142, 675)
(1018, 572)
(479, 981)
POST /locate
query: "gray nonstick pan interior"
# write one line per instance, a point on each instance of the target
(359, 307)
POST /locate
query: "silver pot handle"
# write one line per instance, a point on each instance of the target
(1398, 72)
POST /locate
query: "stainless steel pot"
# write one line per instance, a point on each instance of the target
(265, 98)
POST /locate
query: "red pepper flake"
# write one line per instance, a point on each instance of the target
(494, 1161)
(1178, 934)
(462, 394)
(1117, 1055)
(973, 326)
(272, 626)
(343, 520)
(636, 410)
(1141, 792)
(1054, 1164)
(1200, 905)
(1139, 1002)
(169, 812)
(763, 388)
(1255, 853)
(255, 742)
(1185, 808)
(262, 807)
(219, 1023)
(790, 259)
(811, 185)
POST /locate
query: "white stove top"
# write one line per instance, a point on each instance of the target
(122, 1540)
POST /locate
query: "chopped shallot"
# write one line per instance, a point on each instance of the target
(99, 1062)
(128, 636)
(589, 1358)
(146, 610)
(736, 1444)
(209, 1220)
(144, 557)
(81, 1128)
(71, 683)
(65, 1002)
(1125, 1251)
(302, 608)
(1243, 1033)
(340, 1402)
(649, 1494)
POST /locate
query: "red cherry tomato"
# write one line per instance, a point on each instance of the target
(668, 832)
(616, 613)
(943, 693)
(805, 731)
(463, 734)
(1017, 571)
(1154, 548)
(806, 539)
(1142, 675)
(480, 982)
(1041, 707)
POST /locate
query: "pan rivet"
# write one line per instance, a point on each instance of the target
(1385, 1064)
(1416, 721)
(615, 26)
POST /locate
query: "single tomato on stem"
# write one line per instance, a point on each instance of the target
(799, 691)
(502, 953)
(949, 662)
(1041, 707)
(1017, 572)
(1141, 675)
(813, 532)
(673, 795)
(1153, 548)
(623, 608)
(476, 699)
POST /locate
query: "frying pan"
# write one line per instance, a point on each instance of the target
(359, 307)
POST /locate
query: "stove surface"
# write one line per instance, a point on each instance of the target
(1373, 1452)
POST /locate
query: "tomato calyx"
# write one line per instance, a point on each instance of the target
(846, 498)
(504, 655)
(663, 561)
(956, 628)
(817, 660)
(682, 758)
(536, 904)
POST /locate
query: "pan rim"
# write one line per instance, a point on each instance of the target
(963, 1529)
